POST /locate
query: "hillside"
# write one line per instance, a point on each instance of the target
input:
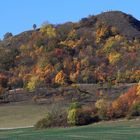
(98, 49)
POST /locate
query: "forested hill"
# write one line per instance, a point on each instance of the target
(101, 48)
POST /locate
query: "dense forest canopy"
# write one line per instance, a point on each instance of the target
(102, 48)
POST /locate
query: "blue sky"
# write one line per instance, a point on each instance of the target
(19, 15)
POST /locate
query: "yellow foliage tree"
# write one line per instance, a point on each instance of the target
(109, 44)
(72, 43)
(101, 103)
(101, 32)
(31, 85)
(49, 31)
(114, 57)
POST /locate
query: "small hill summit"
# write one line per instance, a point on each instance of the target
(126, 24)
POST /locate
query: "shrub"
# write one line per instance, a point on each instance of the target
(78, 117)
(45, 122)
(94, 118)
(134, 110)
(73, 117)
(57, 117)
(102, 113)
(102, 106)
(100, 103)
(75, 105)
(73, 112)
(91, 110)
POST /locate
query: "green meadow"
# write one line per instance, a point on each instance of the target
(117, 130)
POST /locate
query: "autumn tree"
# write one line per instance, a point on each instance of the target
(125, 101)
(114, 57)
(48, 30)
(33, 83)
(102, 106)
(61, 78)
(102, 32)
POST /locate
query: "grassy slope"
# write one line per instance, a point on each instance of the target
(125, 130)
(21, 115)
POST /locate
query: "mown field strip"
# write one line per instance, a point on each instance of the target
(118, 130)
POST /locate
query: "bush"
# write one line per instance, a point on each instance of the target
(73, 112)
(73, 117)
(78, 117)
(75, 105)
(102, 114)
(57, 117)
(45, 122)
(102, 109)
(95, 118)
(134, 110)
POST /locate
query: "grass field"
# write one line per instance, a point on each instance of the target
(18, 115)
(124, 130)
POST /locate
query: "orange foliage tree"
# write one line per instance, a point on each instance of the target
(60, 78)
(125, 101)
